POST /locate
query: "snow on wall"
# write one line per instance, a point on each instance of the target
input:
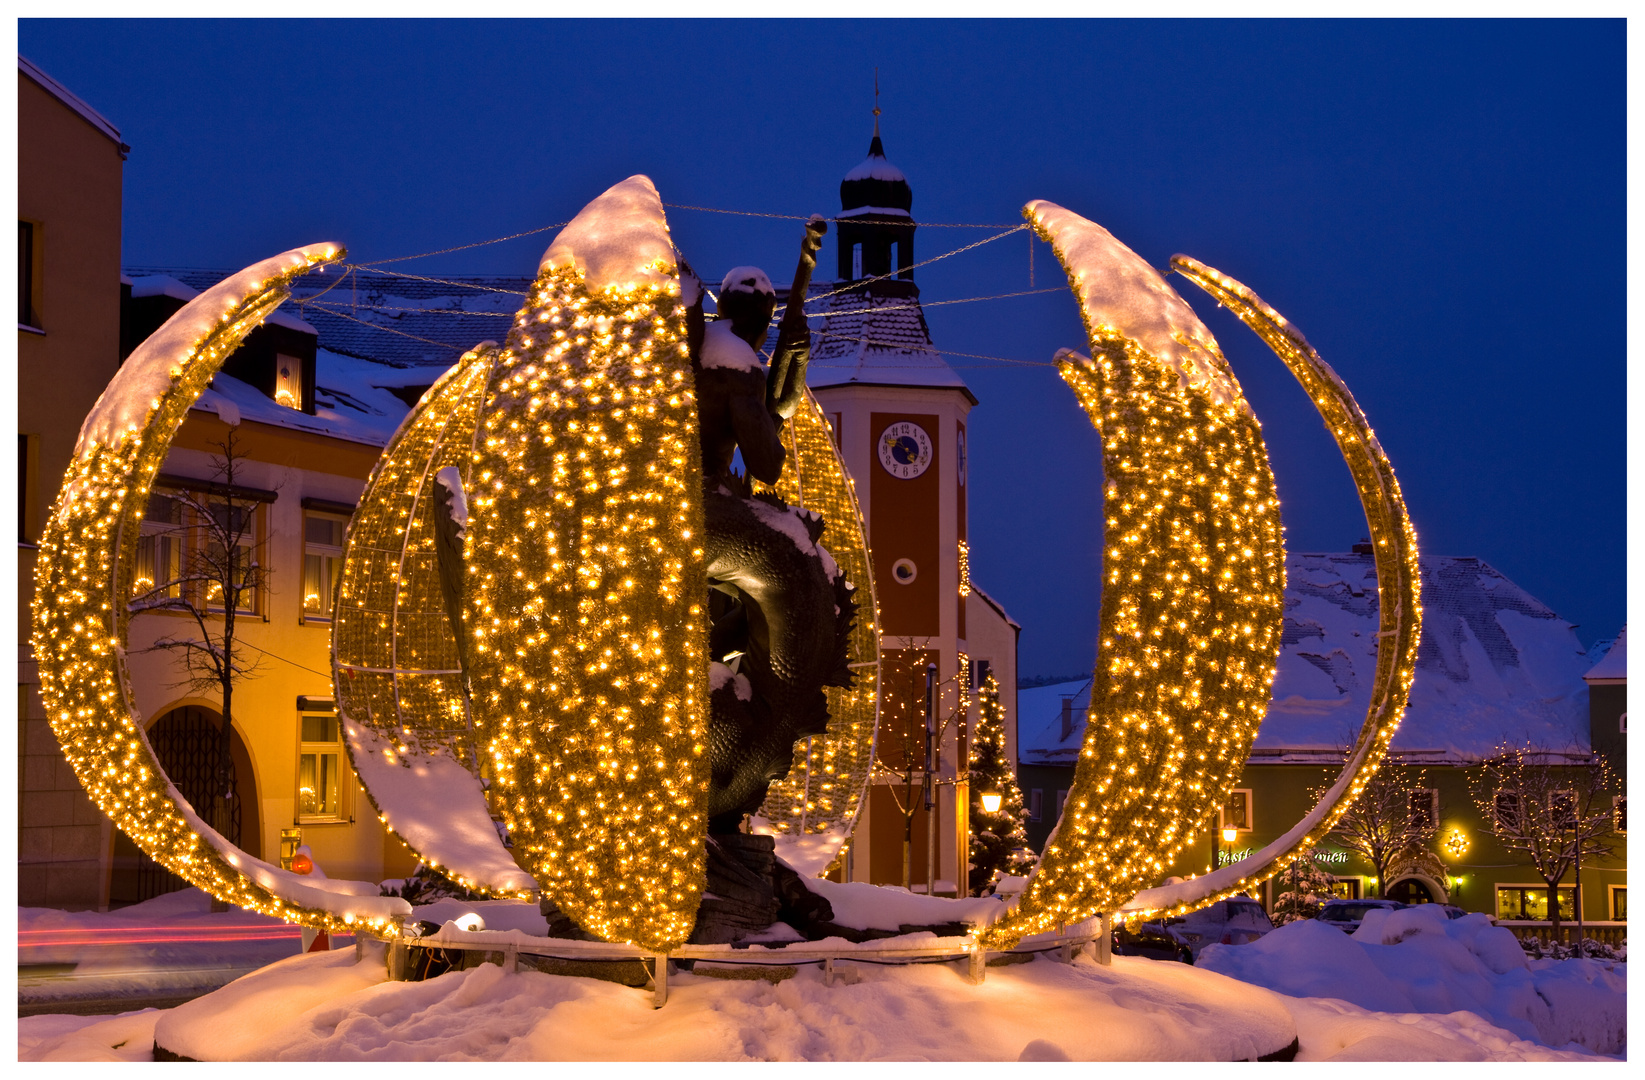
(129, 400)
(619, 240)
(1119, 290)
(1494, 665)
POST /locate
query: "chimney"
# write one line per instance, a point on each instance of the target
(1067, 719)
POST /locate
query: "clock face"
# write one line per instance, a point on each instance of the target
(905, 450)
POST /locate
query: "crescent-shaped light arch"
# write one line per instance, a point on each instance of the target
(1399, 597)
(1193, 585)
(84, 575)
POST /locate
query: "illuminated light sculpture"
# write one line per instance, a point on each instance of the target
(586, 688)
(1193, 585)
(84, 574)
(578, 682)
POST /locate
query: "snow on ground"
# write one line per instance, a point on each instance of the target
(1419, 961)
(325, 1006)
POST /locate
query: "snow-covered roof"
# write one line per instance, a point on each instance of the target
(874, 336)
(1494, 665)
(875, 167)
(1613, 666)
(395, 320)
(995, 604)
(349, 401)
(73, 101)
(166, 285)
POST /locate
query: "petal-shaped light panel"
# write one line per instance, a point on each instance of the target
(1193, 585)
(812, 812)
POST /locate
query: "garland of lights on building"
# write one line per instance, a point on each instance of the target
(84, 573)
(824, 791)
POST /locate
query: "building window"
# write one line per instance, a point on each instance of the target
(160, 549)
(1506, 805)
(1619, 903)
(1529, 903)
(1345, 888)
(27, 295)
(322, 559)
(288, 381)
(239, 525)
(856, 262)
(1036, 804)
(320, 784)
(1424, 807)
(1237, 812)
(1619, 813)
(28, 471)
(1062, 797)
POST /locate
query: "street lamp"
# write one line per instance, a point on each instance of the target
(991, 801)
(1229, 834)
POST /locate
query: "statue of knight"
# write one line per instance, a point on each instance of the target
(780, 607)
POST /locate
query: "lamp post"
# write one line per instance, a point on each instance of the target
(1214, 841)
(930, 786)
(991, 801)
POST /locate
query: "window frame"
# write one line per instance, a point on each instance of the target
(1432, 806)
(1250, 811)
(324, 513)
(344, 814)
(1612, 892)
(1036, 804)
(1501, 821)
(254, 543)
(180, 532)
(1535, 887)
(30, 274)
(294, 381)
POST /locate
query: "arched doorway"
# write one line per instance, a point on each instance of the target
(1410, 890)
(185, 740)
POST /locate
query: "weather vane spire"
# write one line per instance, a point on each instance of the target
(876, 103)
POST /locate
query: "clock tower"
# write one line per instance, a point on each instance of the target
(898, 412)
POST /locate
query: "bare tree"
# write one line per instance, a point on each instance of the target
(200, 557)
(1392, 813)
(1556, 811)
(901, 747)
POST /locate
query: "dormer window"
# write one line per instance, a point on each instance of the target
(288, 381)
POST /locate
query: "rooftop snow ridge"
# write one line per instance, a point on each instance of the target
(1495, 665)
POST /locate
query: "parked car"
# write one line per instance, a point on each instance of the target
(1151, 939)
(1239, 921)
(1346, 915)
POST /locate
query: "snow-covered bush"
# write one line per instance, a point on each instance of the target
(1537, 949)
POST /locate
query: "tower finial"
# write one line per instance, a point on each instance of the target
(876, 103)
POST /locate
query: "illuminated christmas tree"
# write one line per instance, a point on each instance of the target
(999, 845)
(1304, 889)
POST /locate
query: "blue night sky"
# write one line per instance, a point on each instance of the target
(1438, 205)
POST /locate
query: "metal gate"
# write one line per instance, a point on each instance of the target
(187, 743)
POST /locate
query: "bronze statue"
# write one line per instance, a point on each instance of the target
(781, 610)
